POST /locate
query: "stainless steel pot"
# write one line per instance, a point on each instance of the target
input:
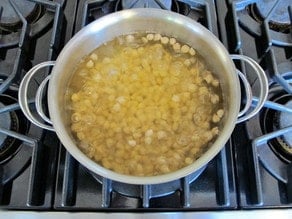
(137, 20)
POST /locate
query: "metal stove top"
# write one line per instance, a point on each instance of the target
(253, 170)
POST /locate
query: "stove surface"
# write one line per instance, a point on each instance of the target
(253, 171)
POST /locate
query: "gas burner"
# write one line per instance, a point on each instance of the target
(38, 14)
(10, 21)
(253, 18)
(279, 19)
(273, 120)
(285, 120)
(271, 129)
(13, 121)
(153, 191)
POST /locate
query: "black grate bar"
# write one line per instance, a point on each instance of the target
(13, 107)
(208, 17)
(266, 39)
(235, 42)
(284, 83)
(68, 192)
(146, 190)
(257, 28)
(42, 175)
(18, 59)
(254, 171)
(260, 144)
(5, 190)
(241, 4)
(272, 105)
(256, 184)
(85, 11)
(31, 142)
(275, 74)
(271, 12)
(223, 182)
(186, 192)
(57, 28)
(271, 63)
(289, 183)
(209, 13)
(36, 184)
(290, 15)
(106, 192)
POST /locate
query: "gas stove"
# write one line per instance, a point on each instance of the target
(253, 170)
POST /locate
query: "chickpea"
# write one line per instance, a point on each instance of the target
(161, 135)
(148, 140)
(150, 36)
(90, 64)
(75, 117)
(220, 113)
(192, 52)
(176, 47)
(187, 62)
(157, 37)
(215, 83)
(172, 41)
(215, 118)
(188, 160)
(144, 40)
(93, 57)
(214, 98)
(130, 38)
(132, 143)
(185, 49)
(164, 40)
(149, 133)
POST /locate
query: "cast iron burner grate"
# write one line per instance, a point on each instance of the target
(17, 149)
(268, 20)
(279, 20)
(27, 172)
(10, 22)
(147, 192)
(271, 131)
(212, 187)
(263, 167)
(13, 121)
(201, 11)
(32, 16)
(273, 120)
(274, 128)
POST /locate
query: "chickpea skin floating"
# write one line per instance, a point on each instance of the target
(144, 104)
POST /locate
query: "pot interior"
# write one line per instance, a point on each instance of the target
(143, 20)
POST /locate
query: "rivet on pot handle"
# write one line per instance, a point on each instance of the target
(22, 96)
(264, 88)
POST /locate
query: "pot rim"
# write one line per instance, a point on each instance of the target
(98, 169)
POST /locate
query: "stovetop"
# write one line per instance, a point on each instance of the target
(253, 170)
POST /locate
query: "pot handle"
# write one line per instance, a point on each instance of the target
(264, 88)
(23, 101)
